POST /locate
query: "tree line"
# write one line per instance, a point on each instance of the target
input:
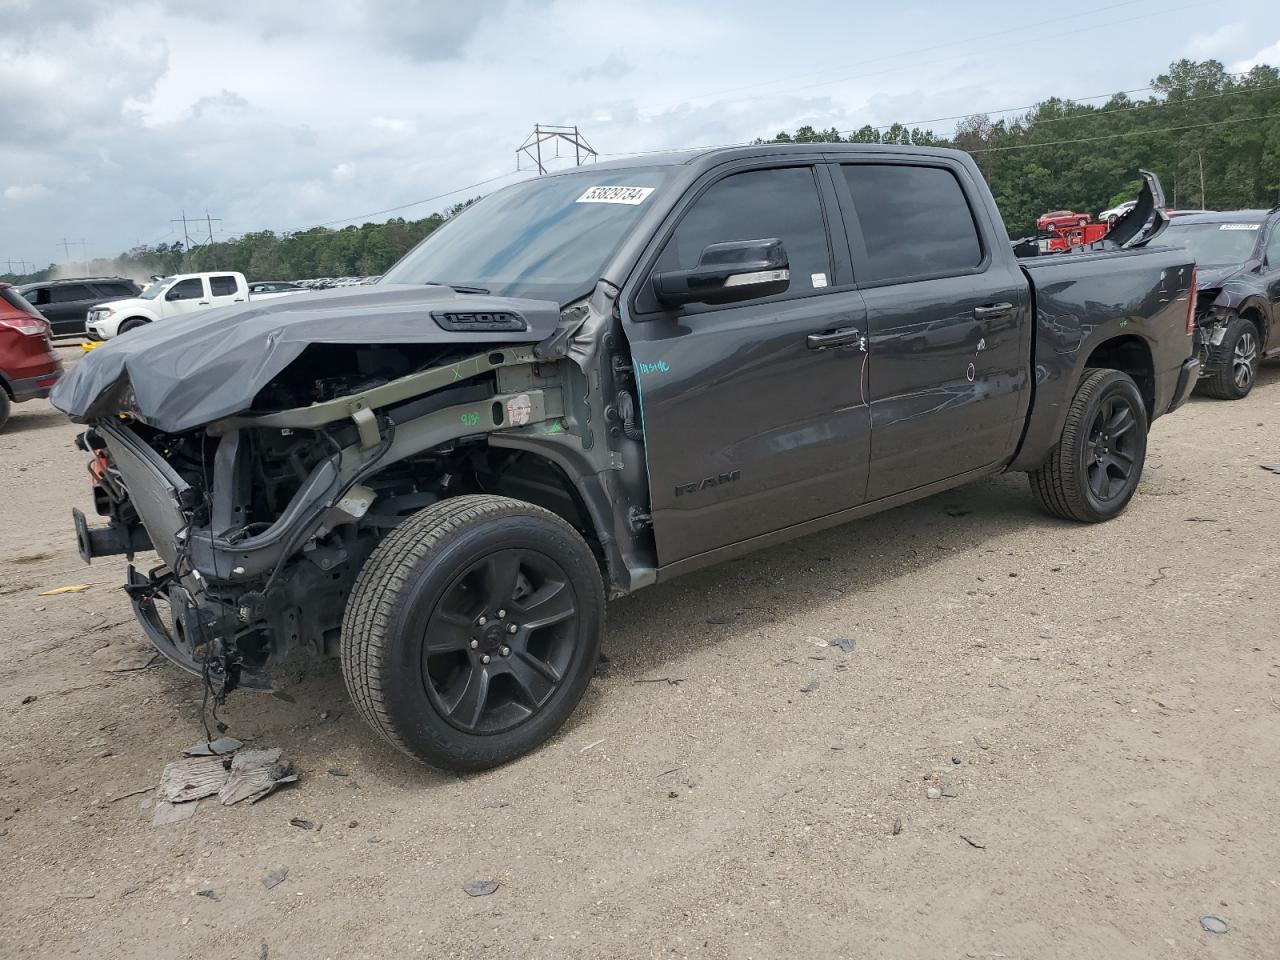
(1213, 138)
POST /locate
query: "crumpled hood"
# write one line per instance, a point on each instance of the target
(1208, 278)
(190, 370)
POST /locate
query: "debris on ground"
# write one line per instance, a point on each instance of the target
(255, 774)
(981, 744)
(897, 826)
(193, 778)
(134, 662)
(275, 877)
(1201, 520)
(1272, 467)
(338, 772)
(949, 791)
(166, 812)
(480, 888)
(671, 681)
(302, 824)
(213, 748)
(77, 588)
(844, 643)
(1212, 923)
(29, 698)
(219, 767)
(809, 687)
(953, 510)
(209, 892)
(722, 618)
(78, 895)
(595, 743)
(933, 793)
(973, 843)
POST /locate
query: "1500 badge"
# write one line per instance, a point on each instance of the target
(707, 483)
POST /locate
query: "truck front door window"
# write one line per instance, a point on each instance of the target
(915, 221)
(190, 289)
(755, 205)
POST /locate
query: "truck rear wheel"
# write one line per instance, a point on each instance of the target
(1236, 363)
(5, 405)
(1093, 472)
(473, 631)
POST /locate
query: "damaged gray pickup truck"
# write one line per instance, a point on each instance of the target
(591, 382)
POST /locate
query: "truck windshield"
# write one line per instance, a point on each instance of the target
(1213, 244)
(155, 288)
(546, 238)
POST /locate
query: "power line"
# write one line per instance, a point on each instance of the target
(962, 116)
(412, 203)
(1127, 133)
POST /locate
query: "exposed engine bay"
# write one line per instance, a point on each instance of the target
(263, 519)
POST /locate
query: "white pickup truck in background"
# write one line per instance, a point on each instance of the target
(171, 297)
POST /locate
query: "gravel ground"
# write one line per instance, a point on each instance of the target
(1102, 701)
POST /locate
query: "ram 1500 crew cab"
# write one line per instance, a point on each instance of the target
(591, 382)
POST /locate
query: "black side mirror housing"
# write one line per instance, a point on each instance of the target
(726, 273)
(171, 295)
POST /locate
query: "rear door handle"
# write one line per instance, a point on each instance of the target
(993, 311)
(844, 337)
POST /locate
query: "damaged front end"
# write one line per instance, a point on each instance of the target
(262, 518)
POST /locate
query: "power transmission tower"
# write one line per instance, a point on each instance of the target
(209, 222)
(66, 246)
(186, 237)
(544, 132)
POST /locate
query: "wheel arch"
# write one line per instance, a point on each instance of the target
(1130, 354)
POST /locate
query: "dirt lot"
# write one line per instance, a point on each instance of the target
(1104, 700)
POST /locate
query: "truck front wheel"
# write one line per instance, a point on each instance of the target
(473, 631)
(1093, 472)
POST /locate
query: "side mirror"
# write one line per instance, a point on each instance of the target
(171, 295)
(727, 273)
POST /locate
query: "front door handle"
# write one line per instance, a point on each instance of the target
(992, 311)
(844, 337)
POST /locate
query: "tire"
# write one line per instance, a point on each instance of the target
(1235, 365)
(6, 407)
(1097, 442)
(448, 567)
(133, 323)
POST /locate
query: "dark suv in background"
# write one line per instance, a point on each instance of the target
(64, 303)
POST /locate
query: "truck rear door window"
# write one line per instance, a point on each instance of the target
(915, 221)
(222, 286)
(778, 204)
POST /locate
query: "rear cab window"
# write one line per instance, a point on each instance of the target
(223, 286)
(114, 290)
(915, 222)
(781, 203)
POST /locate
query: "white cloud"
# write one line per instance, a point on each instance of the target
(392, 125)
(344, 171)
(1269, 56)
(19, 192)
(1226, 39)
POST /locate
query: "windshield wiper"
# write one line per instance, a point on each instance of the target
(456, 286)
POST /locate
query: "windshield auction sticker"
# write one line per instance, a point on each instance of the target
(633, 196)
(1240, 226)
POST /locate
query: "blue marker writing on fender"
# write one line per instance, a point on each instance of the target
(659, 367)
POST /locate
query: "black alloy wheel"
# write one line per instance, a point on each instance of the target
(473, 630)
(1094, 471)
(499, 641)
(1113, 448)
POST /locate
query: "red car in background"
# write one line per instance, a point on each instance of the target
(1057, 220)
(28, 365)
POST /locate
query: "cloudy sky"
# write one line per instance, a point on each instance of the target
(116, 116)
